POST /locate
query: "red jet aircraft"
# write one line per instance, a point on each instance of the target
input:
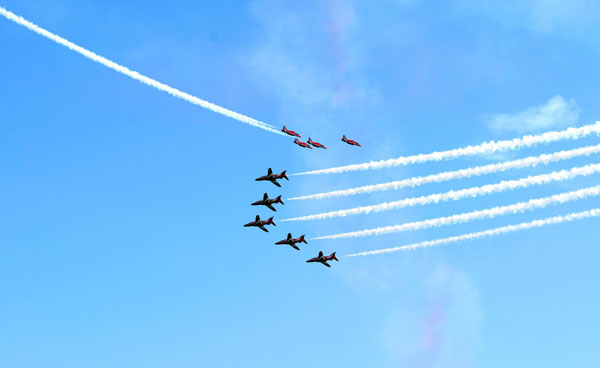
(323, 259)
(261, 223)
(290, 132)
(301, 144)
(273, 177)
(292, 241)
(266, 201)
(315, 144)
(350, 141)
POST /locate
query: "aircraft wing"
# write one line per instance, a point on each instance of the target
(326, 264)
(275, 182)
(294, 246)
(271, 207)
(262, 227)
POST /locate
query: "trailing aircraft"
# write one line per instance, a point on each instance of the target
(315, 144)
(268, 202)
(273, 177)
(290, 132)
(292, 241)
(302, 144)
(350, 141)
(261, 223)
(323, 259)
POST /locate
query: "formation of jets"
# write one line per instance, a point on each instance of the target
(312, 143)
(269, 202)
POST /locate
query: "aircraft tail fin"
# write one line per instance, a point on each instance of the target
(270, 220)
(302, 240)
(283, 175)
(278, 199)
(332, 256)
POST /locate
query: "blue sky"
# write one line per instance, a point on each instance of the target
(121, 209)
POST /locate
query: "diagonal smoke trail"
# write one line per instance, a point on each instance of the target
(454, 195)
(484, 148)
(474, 215)
(481, 234)
(531, 161)
(137, 76)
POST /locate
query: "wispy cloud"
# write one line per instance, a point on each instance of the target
(445, 332)
(555, 113)
(309, 54)
(573, 19)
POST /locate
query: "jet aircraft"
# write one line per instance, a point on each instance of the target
(350, 141)
(315, 144)
(301, 144)
(292, 241)
(261, 223)
(273, 177)
(323, 259)
(268, 202)
(290, 132)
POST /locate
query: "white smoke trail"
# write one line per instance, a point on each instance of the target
(454, 195)
(531, 161)
(135, 75)
(497, 231)
(475, 215)
(484, 148)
